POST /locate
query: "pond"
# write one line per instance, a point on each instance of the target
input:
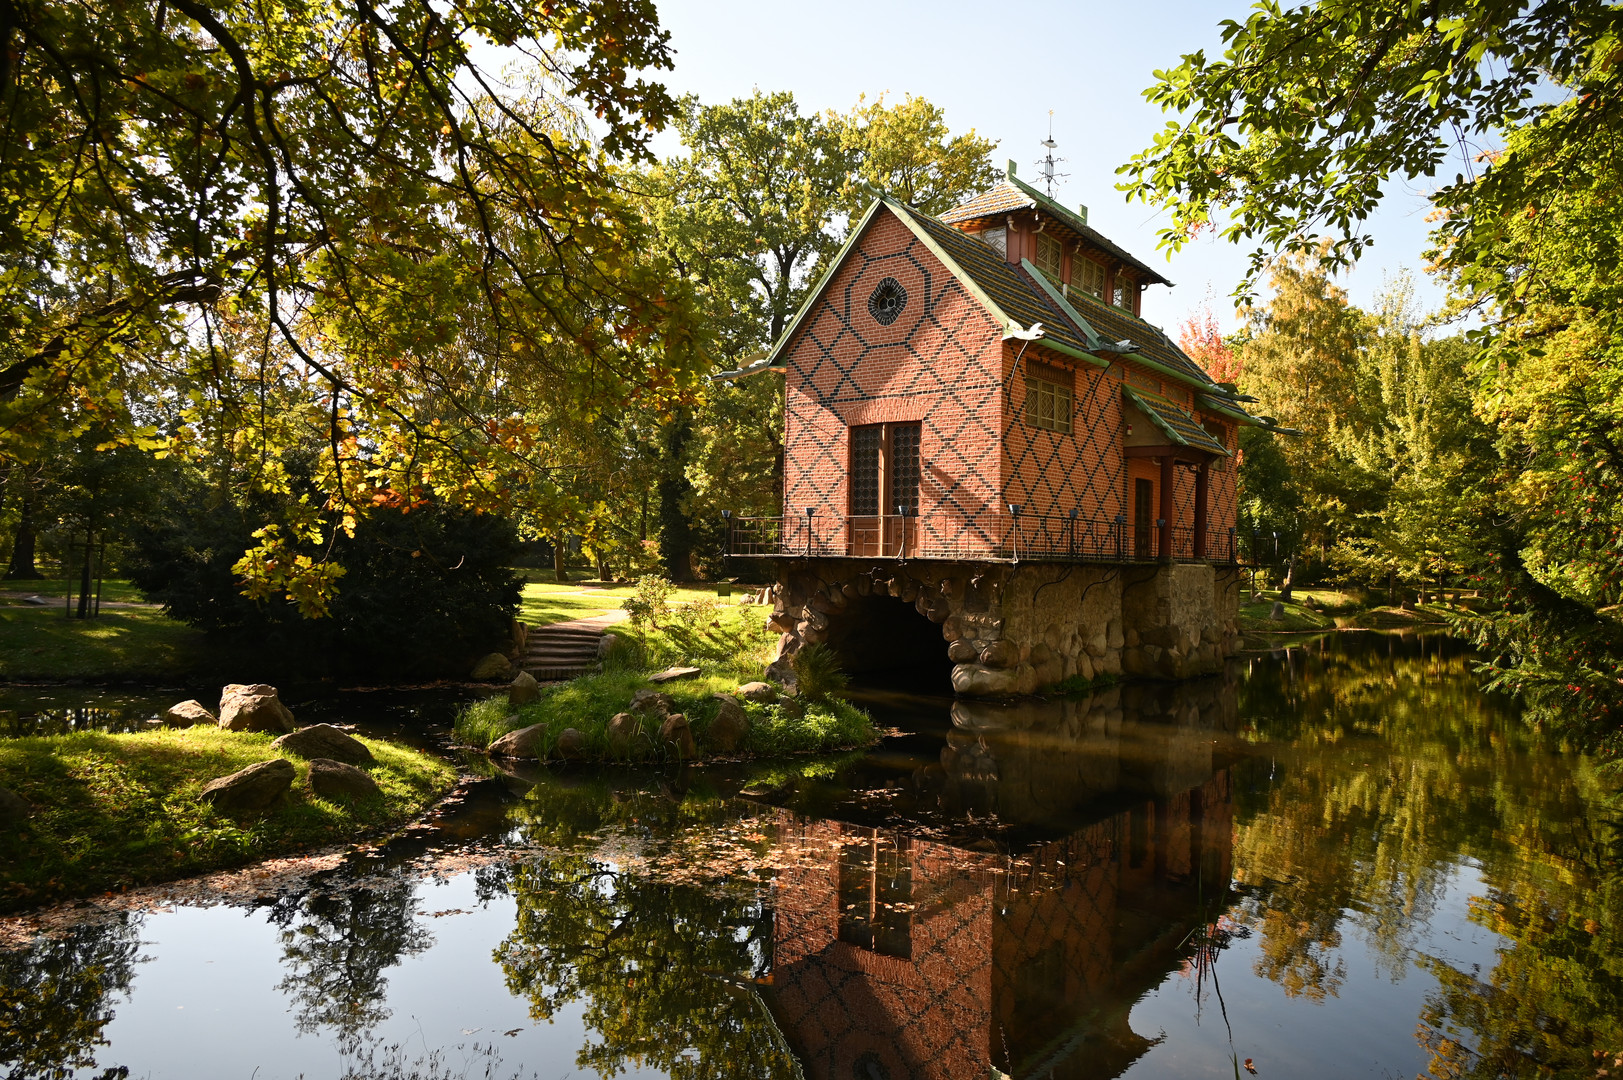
(1340, 860)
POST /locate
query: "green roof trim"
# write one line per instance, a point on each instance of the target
(1175, 422)
(816, 294)
(1079, 225)
(1058, 299)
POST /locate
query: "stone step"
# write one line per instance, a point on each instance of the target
(553, 672)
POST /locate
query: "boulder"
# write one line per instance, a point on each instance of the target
(188, 714)
(14, 809)
(250, 790)
(624, 731)
(523, 690)
(1277, 613)
(962, 651)
(976, 680)
(729, 727)
(491, 667)
(253, 707)
(647, 702)
(336, 780)
(1000, 654)
(671, 674)
(606, 645)
(758, 692)
(677, 736)
(523, 743)
(782, 672)
(325, 741)
(571, 744)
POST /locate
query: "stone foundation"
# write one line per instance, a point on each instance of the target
(1019, 629)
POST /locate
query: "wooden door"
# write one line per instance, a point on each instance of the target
(1143, 518)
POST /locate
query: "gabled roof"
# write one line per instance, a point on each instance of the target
(1018, 298)
(1015, 194)
(1175, 422)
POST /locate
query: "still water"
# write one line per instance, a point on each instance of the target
(1340, 861)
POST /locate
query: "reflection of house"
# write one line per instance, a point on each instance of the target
(901, 957)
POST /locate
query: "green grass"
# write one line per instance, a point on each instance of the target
(137, 643)
(55, 590)
(590, 702)
(112, 811)
(548, 601)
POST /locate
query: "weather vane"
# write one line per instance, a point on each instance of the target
(1048, 161)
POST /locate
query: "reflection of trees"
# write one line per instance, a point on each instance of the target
(663, 970)
(57, 995)
(1398, 772)
(336, 947)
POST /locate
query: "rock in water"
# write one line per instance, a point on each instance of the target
(335, 780)
(188, 714)
(253, 707)
(758, 691)
(729, 727)
(252, 789)
(14, 809)
(571, 744)
(677, 736)
(624, 729)
(490, 667)
(326, 741)
(523, 689)
(523, 743)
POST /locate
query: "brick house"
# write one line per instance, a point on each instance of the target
(979, 388)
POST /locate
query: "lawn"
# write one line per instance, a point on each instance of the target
(112, 811)
(548, 601)
(133, 642)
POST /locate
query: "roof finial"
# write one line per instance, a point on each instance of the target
(1049, 160)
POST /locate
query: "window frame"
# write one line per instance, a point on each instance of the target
(1050, 403)
(1056, 274)
(1089, 268)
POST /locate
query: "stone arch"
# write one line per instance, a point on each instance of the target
(880, 632)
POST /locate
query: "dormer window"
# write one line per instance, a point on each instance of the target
(1092, 277)
(1124, 291)
(998, 240)
(1049, 255)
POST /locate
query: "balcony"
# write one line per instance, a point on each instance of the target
(985, 538)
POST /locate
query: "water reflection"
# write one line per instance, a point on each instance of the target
(1381, 868)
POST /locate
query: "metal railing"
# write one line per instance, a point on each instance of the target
(1003, 537)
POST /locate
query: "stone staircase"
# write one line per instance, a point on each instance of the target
(560, 652)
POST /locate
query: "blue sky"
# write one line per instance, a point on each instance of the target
(999, 68)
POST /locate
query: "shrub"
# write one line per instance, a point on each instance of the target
(817, 672)
(650, 605)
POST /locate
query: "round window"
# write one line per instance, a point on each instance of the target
(887, 301)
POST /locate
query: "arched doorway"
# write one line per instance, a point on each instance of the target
(880, 639)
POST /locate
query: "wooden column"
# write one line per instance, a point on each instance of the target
(1201, 479)
(1169, 468)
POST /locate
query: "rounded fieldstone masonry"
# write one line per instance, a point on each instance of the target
(1018, 629)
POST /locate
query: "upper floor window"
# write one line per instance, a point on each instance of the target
(1049, 254)
(1124, 292)
(1091, 279)
(1049, 397)
(997, 239)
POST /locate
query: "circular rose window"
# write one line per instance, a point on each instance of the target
(887, 301)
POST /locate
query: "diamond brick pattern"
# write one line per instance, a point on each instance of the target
(943, 363)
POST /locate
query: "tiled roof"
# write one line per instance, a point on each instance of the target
(1176, 422)
(1016, 194)
(1002, 283)
(998, 200)
(1114, 324)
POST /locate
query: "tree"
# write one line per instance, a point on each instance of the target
(907, 151)
(1293, 132)
(339, 200)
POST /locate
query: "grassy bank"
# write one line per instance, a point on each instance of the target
(545, 601)
(123, 643)
(111, 811)
(728, 643)
(590, 702)
(1315, 609)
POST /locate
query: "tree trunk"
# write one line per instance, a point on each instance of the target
(559, 572)
(675, 531)
(1290, 571)
(84, 580)
(22, 566)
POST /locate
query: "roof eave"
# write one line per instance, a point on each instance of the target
(775, 356)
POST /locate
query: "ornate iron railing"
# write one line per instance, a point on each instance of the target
(1003, 537)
